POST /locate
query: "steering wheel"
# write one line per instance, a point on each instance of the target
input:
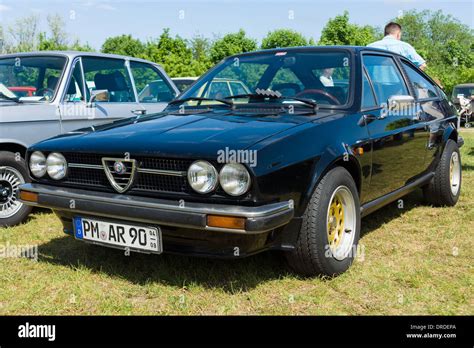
(325, 94)
(45, 92)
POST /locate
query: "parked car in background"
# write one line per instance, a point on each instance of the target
(292, 166)
(223, 88)
(26, 91)
(219, 88)
(43, 94)
(465, 90)
(183, 82)
(463, 99)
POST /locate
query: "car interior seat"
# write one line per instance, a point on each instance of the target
(116, 84)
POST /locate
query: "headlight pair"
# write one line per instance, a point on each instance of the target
(233, 177)
(55, 165)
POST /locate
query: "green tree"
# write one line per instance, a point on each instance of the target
(125, 45)
(3, 43)
(285, 38)
(444, 42)
(338, 31)
(57, 38)
(78, 46)
(172, 53)
(24, 34)
(200, 47)
(231, 44)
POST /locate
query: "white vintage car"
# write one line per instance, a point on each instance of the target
(43, 94)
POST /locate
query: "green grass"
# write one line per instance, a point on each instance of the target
(417, 260)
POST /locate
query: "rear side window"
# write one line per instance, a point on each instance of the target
(385, 76)
(151, 87)
(423, 88)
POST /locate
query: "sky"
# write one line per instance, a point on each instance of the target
(92, 21)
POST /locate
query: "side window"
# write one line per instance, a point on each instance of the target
(423, 88)
(75, 89)
(368, 97)
(108, 74)
(150, 85)
(385, 76)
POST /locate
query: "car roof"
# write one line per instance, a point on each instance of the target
(355, 49)
(184, 78)
(465, 85)
(72, 55)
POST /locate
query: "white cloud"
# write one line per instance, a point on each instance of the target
(106, 7)
(100, 5)
(4, 8)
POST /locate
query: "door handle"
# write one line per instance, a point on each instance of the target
(139, 112)
(368, 118)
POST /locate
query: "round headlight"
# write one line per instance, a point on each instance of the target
(38, 164)
(202, 176)
(56, 166)
(234, 179)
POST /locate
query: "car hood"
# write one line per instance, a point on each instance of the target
(171, 135)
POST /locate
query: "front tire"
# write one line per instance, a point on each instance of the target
(445, 187)
(13, 173)
(330, 232)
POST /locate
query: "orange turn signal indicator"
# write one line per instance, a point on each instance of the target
(232, 222)
(358, 151)
(28, 196)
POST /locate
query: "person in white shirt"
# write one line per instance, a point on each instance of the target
(392, 42)
(326, 77)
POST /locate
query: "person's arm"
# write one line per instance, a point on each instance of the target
(415, 57)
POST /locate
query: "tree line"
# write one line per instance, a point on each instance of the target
(446, 43)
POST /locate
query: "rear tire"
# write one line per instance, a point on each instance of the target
(13, 172)
(445, 187)
(330, 231)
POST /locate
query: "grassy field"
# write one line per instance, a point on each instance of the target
(416, 260)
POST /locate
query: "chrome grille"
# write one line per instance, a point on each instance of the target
(152, 174)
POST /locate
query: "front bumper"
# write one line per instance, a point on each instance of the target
(160, 212)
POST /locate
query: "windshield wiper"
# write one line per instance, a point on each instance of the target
(13, 99)
(200, 99)
(276, 96)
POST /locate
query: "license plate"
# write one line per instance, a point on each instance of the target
(123, 236)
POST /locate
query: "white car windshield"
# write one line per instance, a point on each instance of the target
(32, 77)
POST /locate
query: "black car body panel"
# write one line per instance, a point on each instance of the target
(387, 155)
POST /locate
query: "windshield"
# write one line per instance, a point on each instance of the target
(34, 78)
(323, 77)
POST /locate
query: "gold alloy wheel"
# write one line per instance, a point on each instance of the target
(341, 222)
(454, 173)
(335, 221)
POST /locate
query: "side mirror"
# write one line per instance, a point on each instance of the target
(398, 102)
(98, 95)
